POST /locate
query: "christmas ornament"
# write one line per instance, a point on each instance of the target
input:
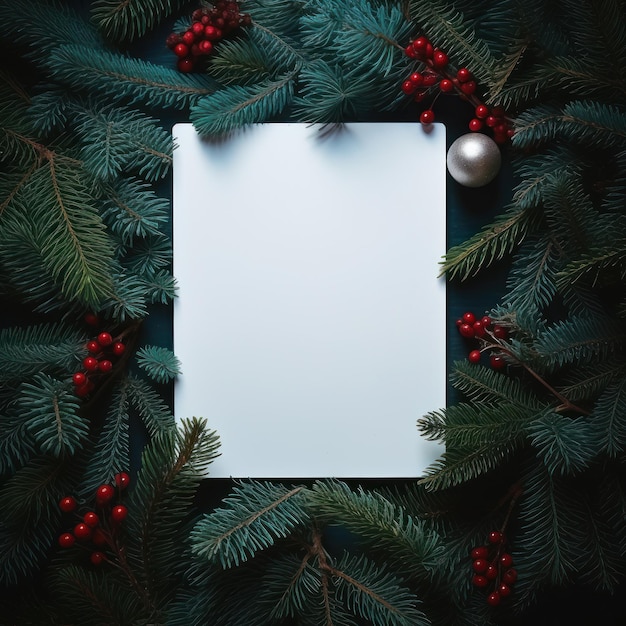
(473, 160)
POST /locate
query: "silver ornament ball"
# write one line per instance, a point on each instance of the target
(474, 160)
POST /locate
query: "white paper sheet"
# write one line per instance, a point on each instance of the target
(310, 322)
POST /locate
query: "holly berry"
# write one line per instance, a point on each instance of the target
(493, 599)
(119, 513)
(480, 565)
(82, 531)
(468, 317)
(91, 319)
(481, 111)
(510, 576)
(91, 519)
(97, 558)
(485, 321)
(427, 117)
(475, 124)
(500, 332)
(466, 330)
(495, 536)
(480, 552)
(491, 572)
(79, 379)
(93, 347)
(105, 339)
(479, 329)
(446, 85)
(90, 363)
(122, 480)
(440, 59)
(504, 590)
(66, 540)
(118, 348)
(408, 87)
(68, 504)
(506, 560)
(105, 366)
(181, 50)
(463, 75)
(416, 78)
(185, 65)
(468, 88)
(474, 356)
(104, 494)
(479, 581)
(85, 389)
(496, 361)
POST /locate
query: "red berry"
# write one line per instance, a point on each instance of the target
(197, 15)
(446, 85)
(510, 576)
(410, 51)
(500, 332)
(427, 117)
(185, 65)
(495, 536)
(491, 572)
(97, 558)
(481, 111)
(90, 363)
(122, 480)
(440, 59)
(408, 87)
(85, 389)
(93, 347)
(104, 494)
(118, 348)
(475, 125)
(212, 33)
(479, 581)
(496, 361)
(474, 356)
(68, 504)
(504, 590)
(91, 519)
(466, 330)
(463, 74)
(491, 121)
(205, 47)
(416, 78)
(506, 560)
(189, 37)
(493, 599)
(468, 317)
(181, 50)
(485, 321)
(105, 366)
(119, 513)
(197, 28)
(420, 95)
(480, 565)
(82, 531)
(171, 42)
(428, 52)
(66, 540)
(429, 79)
(479, 329)
(498, 111)
(480, 552)
(468, 88)
(79, 379)
(420, 44)
(105, 339)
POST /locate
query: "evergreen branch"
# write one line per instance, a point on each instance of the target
(505, 69)
(133, 80)
(253, 518)
(126, 20)
(50, 413)
(591, 267)
(566, 446)
(159, 363)
(28, 351)
(591, 380)
(44, 26)
(404, 538)
(609, 418)
(492, 243)
(236, 106)
(582, 122)
(155, 414)
(448, 29)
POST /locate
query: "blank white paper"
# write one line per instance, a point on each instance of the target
(310, 322)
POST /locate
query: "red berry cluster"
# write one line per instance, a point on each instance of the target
(488, 334)
(492, 568)
(438, 74)
(208, 26)
(97, 528)
(103, 350)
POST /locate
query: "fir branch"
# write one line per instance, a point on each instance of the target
(581, 122)
(28, 351)
(375, 594)
(44, 26)
(128, 301)
(566, 446)
(236, 106)
(406, 539)
(591, 268)
(159, 363)
(160, 287)
(126, 20)
(588, 381)
(252, 519)
(16, 444)
(120, 77)
(475, 425)
(69, 232)
(155, 414)
(447, 29)
(609, 418)
(50, 413)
